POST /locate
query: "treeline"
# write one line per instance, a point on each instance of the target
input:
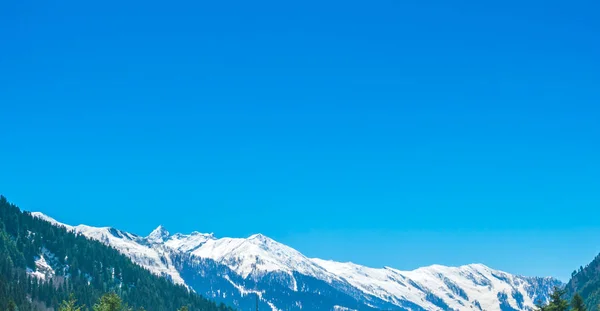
(557, 302)
(84, 268)
(108, 302)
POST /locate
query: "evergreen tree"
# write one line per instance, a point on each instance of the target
(557, 302)
(69, 305)
(110, 302)
(12, 306)
(577, 303)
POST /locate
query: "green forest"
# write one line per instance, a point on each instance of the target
(92, 274)
(586, 282)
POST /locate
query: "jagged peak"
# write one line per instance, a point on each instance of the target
(158, 235)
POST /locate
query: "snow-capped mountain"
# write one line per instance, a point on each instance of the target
(237, 270)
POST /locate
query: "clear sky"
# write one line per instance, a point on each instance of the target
(398, 133)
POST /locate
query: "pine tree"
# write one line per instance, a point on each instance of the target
(577, 303)
(69, 305)
(109, 302)
(12, 306)
(557, 303)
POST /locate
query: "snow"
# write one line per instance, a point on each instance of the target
(156, 259)
(158, 236)
(43, 269)
(393, 285)
(272, 305)
(188, 242)
(257, 255)
(243, 291)
(36, 274)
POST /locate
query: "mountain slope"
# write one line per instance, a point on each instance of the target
(237, 270)
(41, 263)
(586, 282)
(472, 286)
(142, 251)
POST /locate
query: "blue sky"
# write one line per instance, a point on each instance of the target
(398, 133)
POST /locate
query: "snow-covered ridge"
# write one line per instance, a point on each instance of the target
(469, 287)
(135, 247)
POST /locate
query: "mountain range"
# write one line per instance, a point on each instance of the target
(244, 272)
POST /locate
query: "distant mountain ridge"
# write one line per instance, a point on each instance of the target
(235, 270)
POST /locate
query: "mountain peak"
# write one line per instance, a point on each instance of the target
(158, 235)
(261, 238)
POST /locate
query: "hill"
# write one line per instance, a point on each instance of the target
(586, 282)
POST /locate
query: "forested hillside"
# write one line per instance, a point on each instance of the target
(41, 265)
(586, 282)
